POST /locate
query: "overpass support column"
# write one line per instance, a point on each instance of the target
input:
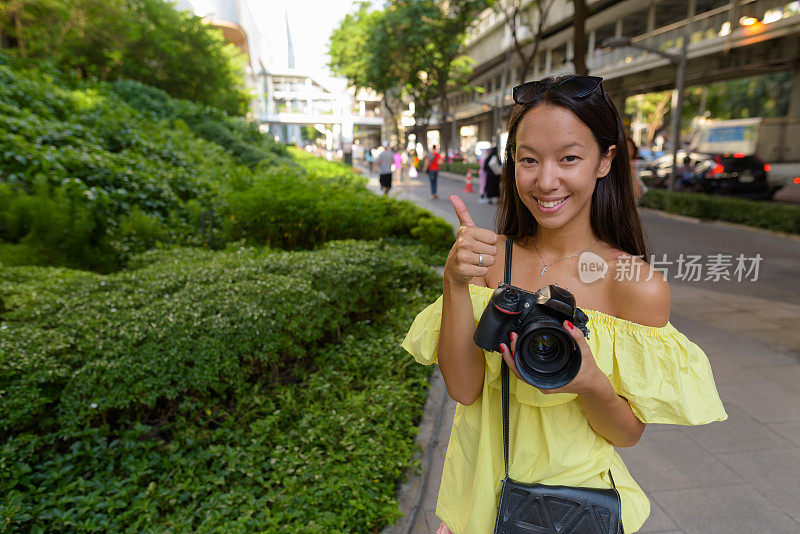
(619, 101)
(794, 97)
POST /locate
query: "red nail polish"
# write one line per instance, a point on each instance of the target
(570, 325)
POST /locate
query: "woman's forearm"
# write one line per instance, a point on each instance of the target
(611, 416)
(460, 359)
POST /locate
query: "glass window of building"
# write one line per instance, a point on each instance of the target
(703, 6)
(670, 12)
(635, 24)
(559, 57)
(605, 32)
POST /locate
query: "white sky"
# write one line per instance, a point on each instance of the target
(311, 23)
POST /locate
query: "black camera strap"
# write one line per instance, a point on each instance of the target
(504, 367)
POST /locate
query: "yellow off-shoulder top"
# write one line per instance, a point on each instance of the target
(664, 376)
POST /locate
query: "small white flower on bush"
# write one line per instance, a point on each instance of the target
(93, 405)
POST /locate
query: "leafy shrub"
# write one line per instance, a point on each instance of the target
(459, 167)
(211, 391)
(167, 335)
(769, 215)
(102, 172)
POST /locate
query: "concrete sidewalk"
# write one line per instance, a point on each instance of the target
(737, 476)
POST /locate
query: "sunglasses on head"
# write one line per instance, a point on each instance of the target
(574, 87)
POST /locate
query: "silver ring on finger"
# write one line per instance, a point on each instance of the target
(480, 259)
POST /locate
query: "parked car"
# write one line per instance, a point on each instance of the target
(455, 157)
(726, 174)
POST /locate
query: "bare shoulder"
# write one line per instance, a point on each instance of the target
(640, 293)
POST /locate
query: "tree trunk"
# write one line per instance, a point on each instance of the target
(393, 113)
(579, 38)
(657, 118)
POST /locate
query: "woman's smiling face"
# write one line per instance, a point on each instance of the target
(557, 163)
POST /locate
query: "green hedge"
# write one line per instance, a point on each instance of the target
(210, 391)
(92, 175)
(769, 215)
(460, 167)
(289, 209)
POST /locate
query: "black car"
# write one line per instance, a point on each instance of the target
(724, 174)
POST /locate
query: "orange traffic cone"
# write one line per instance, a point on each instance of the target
(468, 187)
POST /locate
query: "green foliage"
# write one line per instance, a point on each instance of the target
(459, 167)
(413, 44)
(190, 394)
(769, 215)
(285, 208)
(239, 137)
(757, 96)
(145, 40)
(90, 176)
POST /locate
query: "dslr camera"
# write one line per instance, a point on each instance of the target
(546, 355)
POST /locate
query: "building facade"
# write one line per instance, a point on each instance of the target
(726, 40)
(285, 98)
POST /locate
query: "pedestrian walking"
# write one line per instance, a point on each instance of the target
(639, 188)
(432, 168)
(398, 165)
(385, 163)
(482, 178)
(369, 156)
(492, 168)
(592, 360)
(413, 166)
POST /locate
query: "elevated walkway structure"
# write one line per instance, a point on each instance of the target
(726, 40)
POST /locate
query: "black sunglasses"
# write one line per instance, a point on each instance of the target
(575, 87)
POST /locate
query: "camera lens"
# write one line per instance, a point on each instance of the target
(547, 356)
(544, 346)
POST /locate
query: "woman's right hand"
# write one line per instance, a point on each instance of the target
(471, 242)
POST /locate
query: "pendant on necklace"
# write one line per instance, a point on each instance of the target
(543, 270)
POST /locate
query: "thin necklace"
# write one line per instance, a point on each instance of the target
(546, 265)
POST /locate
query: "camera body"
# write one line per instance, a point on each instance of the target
(547, 356)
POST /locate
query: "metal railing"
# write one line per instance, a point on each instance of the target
(704, 27)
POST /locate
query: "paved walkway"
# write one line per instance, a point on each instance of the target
(737, 476)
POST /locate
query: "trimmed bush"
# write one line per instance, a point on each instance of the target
(209, 391)
(761, 214)
(459, 167)
(91, 176)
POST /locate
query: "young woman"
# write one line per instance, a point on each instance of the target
(566, 189)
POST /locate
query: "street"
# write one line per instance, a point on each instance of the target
(737, 476)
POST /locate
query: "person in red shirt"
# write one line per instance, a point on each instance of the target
(433, 170)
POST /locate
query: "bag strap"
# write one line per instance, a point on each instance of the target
(504, 366)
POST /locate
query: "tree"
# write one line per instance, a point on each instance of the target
(579, 37)
(144, 40)
(360, 52)
(653, 109)
(526, 27)
(411, 48)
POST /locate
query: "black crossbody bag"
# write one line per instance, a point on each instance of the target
(540, 509)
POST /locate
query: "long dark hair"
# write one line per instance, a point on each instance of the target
(614, 217)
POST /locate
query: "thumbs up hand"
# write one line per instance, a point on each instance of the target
(474, 250)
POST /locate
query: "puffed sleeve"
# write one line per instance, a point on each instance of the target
(665, 377)
(422, 339)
